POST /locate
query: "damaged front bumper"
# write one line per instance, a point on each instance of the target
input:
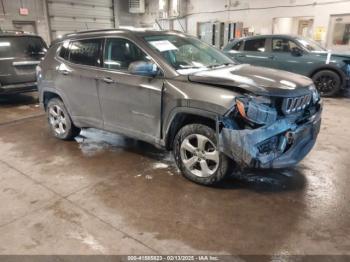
(281, 144)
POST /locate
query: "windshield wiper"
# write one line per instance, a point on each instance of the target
(189, 67)
(218, 65)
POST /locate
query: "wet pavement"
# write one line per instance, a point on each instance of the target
(17, 107)
(106, 194)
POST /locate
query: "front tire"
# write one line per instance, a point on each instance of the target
(60, 123)
(197, 156)
(327, 82)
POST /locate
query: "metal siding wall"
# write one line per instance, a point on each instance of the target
(67, 16)
(37, 15)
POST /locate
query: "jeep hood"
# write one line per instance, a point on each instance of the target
(254, 79)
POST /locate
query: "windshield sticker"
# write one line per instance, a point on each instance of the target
(163, 45)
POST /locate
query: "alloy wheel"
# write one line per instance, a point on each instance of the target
(199, 155)
(57, 119)
(325, 84)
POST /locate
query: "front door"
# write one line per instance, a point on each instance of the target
(282, 57)
(131, 104)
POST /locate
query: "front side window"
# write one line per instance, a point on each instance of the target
(119, 53)
(187, 54)
(282, 45)
(255, 45)
(85, 52)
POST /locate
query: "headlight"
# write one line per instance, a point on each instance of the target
(256, 110)
(315, 94)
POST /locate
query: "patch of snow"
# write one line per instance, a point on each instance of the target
(88, 240)
(160, 165)
(24, 107)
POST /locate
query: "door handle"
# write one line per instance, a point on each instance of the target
(108, 80)
(240, 55)
(64, 72)
(271, 57)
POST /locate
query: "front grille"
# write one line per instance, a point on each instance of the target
(296, 104)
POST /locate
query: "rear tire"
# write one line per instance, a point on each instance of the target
(60, 122)
(197, 156)
(327, 82)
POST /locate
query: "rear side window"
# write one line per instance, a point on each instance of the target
(255, 45)
(22, 46)
(237, 46)
(85, 52)
(64, 51)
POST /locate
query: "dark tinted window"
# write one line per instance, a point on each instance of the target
(64, 51)
(237, 45)
(22, 46)
(120, 53)
(282, 45)
(256, 45)
(85, 52)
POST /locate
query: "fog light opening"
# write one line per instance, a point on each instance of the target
(290, 137)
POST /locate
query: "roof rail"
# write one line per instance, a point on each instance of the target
(96, 31)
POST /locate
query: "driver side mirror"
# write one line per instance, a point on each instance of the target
(143, 68)
(296, 51)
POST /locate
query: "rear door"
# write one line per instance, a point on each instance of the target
(130, 103)
(19, 55)
(76, 79)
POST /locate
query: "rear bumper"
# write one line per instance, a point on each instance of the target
(18, 88)
(244, 146)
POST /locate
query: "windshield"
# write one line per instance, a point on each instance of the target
(187, 54)
(22, 46)
(311, 45)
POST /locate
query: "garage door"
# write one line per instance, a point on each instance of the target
(67, 16)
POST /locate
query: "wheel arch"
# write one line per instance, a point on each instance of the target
(184, 116)
(47, 96)
(330, 68)
(48, 93)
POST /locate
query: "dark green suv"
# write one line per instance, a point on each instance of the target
(329, 71)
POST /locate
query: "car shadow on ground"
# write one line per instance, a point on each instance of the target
(18, 99)
(270, 180)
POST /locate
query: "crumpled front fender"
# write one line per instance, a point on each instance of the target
(243, 145)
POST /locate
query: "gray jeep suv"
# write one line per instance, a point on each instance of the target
(176, 92)
(20, 53)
